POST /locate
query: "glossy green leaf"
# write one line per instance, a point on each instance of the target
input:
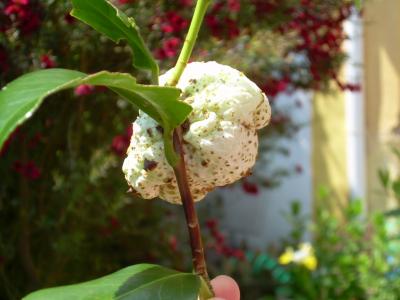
(20, 98)
(140, 282)
(110, 21)
(204, 291)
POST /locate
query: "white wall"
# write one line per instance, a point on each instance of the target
(258, 219)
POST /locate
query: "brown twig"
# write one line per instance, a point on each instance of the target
(199, 262)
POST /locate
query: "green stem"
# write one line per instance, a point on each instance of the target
(154, 75)
(198, 258)
(195, 25)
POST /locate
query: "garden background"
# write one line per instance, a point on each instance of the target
(332, 75)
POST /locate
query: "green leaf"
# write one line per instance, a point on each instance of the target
(110, 21)
(139, 282)
(160, 283)
(384, 177)
(20, 98)
(396, 188)
(204, 291)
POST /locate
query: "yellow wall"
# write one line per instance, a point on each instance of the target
(329, 145)
(382, 89)
(382, 110)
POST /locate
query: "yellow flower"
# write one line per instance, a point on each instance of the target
(310, 262)
(303, 256)
(286, 257)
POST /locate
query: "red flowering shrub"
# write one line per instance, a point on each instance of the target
(219, 244)
(22, 15)
(27, 169)
(120, 143)
(60, 172)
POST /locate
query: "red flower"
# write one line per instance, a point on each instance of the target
(120, 143)
(30, 24)
(239, 254)
(211, 223)
(186, 2)
(173, 243)
(233, 29)
(250, 188)
(125, 1)
(23, 2)
(214, 25)
(234, 5)
(273, 87)
(263, 7)
(177, 22)
(47, 62)
(220, 245)
(84, 89)
(23, 16)
(29, 169)
(114, 223)
(169, 49)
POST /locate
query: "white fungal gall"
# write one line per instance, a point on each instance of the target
(220, 144)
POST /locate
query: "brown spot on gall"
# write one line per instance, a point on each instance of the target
(149, 165)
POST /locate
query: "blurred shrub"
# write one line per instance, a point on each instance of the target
(64, 212)
(391, 182)
(353, 257)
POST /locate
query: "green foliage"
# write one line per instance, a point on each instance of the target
(144, 282)
(112, 22)
(358, 4)
(66, 216)
(391, 182)
(20, 98)
(353, 258)
(356, 258)
(73, 219)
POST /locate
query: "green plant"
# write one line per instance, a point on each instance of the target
(20, 98)
(160, 106)
(97, 161)
(353, 258)
(390, 182)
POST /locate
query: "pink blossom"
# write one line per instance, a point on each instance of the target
(125, 1)
(84, 90)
